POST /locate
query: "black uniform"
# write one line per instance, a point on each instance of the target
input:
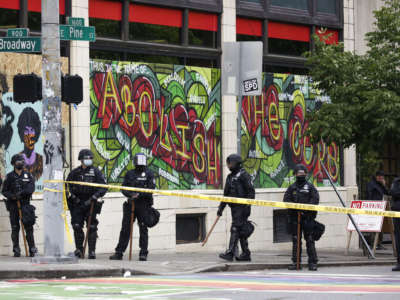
(395, 192)
(238, 184)
(141, 178)
(302, 192)
(79, 203)
(19, 187)
(375, 190)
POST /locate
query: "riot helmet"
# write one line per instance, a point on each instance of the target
(140, 161)
(86, 157)
(234, 162)
(300, 171)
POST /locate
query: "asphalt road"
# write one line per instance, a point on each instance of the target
(377, 282)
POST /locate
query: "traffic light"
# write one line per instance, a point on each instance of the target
(72, 89)
(27, 88)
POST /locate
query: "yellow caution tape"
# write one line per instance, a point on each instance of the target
(64, 214)
(332, 209)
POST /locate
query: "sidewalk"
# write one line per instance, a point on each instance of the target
(178, 263)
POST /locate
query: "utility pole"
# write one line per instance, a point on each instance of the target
(52, 133)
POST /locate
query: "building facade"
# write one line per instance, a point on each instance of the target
(152, 85)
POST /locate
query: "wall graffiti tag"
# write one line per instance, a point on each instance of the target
(171, 113)
(273, 129)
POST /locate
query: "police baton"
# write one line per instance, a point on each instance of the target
(22, 226)
(131, 228)
(298, 241)
(89, 222)
(209, 233)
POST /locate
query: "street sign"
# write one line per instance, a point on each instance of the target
(18, 32)
(24, 44)
(76, 21)
(77, 33)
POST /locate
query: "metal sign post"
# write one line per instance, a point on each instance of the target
(241, 74)
(371, 255)
(52, 133)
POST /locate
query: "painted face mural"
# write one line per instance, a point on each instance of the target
(169, 112)
(273, 140)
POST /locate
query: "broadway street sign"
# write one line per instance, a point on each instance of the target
(23, 44)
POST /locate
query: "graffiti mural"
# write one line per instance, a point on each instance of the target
(272, 133)
(22, 131)
(171, 113)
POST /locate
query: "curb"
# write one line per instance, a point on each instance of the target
(223, 267)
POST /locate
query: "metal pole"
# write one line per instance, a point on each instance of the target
(239, 117)
(371, 255)
(52, 133)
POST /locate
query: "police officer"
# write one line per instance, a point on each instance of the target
(302, 192)
(19, 185)
(80, 199)
(238, 184)
(139, 177)
(395, 192)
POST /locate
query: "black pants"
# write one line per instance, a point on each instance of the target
(310, 243)
(396, 224)
(139, 213)
(80, 215)
(15, 227)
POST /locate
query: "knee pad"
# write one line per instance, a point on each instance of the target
(234, 229)
(76, 226)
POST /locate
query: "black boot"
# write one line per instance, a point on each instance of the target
(397, 267)
(116, 256)
(293, 266)
(92, 239)
(31, 241)
(79, 237)
(312, 254)
(15, 242)
(245, 256)
(230, 252)
(143, 255)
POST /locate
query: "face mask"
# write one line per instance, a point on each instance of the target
(19, 166)
(87, 162)
(301, 179)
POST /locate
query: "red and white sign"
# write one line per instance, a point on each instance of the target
(367, 223)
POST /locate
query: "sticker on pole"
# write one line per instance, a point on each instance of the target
(250, 85)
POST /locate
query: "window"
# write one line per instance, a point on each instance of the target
(298, 4)
(203, 29)
(190, 228)
(106, 28)
(280, 227)
(106, 16)
(253, 1)
(154, 24)
(288, 39)
(161, 59)
(326, 6)
(248, 30)
(8, 18)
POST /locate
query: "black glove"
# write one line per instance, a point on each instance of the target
(75, 199)
(93, 198)
(219, 213)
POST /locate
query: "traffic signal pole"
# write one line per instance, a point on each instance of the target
(52, 133)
